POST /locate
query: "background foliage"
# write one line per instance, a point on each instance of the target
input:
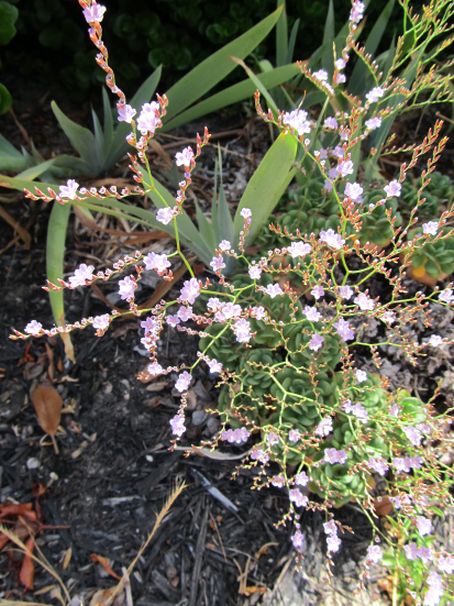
(175, 33)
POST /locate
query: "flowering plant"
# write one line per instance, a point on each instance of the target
(287, 335)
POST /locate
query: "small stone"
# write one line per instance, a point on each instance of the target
(33, 463)
(198, 417)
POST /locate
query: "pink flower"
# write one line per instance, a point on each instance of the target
(236, 436)
(317, 292)
(151, 326)
(217, 264)
(258, 454)
(446, 564)
(254, 272)
(278, 481)
(325, 427)
(364, 302)
(148, 119)
(373, 123)
(190, 291)
(155, 369)
(435, 341)
(185, 313)
(156, 262)
(316, 342)
(127, 288)
(69, 190)
(333, 542)
(431, 228)
(242, 330)
(177, 425)
(183, 381)
(301, 479)
(340, 63)
(214, 366)
(379, 465)
(101, 322)
(375, 94)
(33, 328)
(414, 435)
(330, 123)
(353, 191)
(332, 455)
(361, 375)
(125, 112)
(246, 213)
(357, 410)
(299, 541)
(224, 245)
(166, 215)
(94, 13)
(185, 157)
(331, 238)
(393, 189)
(321, 75)
(294, 436)
(435, 590)
(297, 497)
(345, 168)
(344, 330)
(412, 551)
(356, 12)
(172, 320)
(345, 292)
(424, 525)
(446, 296)
(374, 553)
(312, 314)
(81, 275)
(259, 312)
(272, 438)
(298, 120)
(299, 249)
(273, 290)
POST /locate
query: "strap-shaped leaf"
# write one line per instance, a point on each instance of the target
(55, 256)
(215, 68)
(281, 36)
(267, 184)
(233, 94)
(80, 137)
(328, 39)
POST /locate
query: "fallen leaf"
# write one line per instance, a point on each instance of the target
(48, 405)
(14, 509)
(104, 562)
(27, 571)
(383, 507)
(67, 558)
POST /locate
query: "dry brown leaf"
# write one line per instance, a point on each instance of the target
(27, 571)
(383, 506)
(48, 405)
(67, 558)
(104, 562)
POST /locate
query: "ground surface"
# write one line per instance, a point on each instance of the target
(114, 470)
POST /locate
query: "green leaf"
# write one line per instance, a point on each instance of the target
(11, 159)
(328, 39)
(220, 212)
(258, 85)
(81, 138)
(292, 40)
(6, 101)
(281, 36)
(8, 18)
(55, 256)
(215, 68)
(35, 171)
(206, 228)
(267, 184)
(233, 94)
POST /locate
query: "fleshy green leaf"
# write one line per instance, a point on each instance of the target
(80, 137)
(267, 184)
